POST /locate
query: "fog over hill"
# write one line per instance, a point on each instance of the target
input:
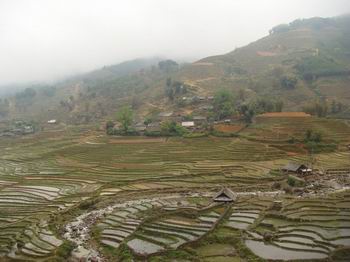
(49, 40)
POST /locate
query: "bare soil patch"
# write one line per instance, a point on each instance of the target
(285, 114)
(136, 140)
(265, 53)
(228, 128)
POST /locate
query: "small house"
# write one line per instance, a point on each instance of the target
(296, 168)
(199, 120)
(52, 121)
(153, 127)
(187, 124)
(28, 129)
(225, 195)
(206, 107)
(140, 127)
(167, 117)
(163, 115)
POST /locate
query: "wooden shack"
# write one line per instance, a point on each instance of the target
(296, 168)
(225, 195)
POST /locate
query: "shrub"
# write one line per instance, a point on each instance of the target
(87, 204)
(295, 181)
(223, 104)
(195, 135)
(64, 250)
(289, 81)
(172, 129)
(312, 136)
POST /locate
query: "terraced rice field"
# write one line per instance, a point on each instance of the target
(283, 128)
(48, 179)
(172, 232)
(304, 228)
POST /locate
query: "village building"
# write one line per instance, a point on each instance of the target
(153, 127)
(7, 134)
(188, 124)
(140, 127)
(52, 121)
(165, 114)
(28, 129)
(225, 195)
(207, 107)
(168, 117)
(198, 120)
(177, 116)
(296, 168)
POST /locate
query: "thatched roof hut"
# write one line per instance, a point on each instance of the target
(225, 195)
(296, 168)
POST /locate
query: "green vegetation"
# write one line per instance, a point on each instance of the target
(289, 81)
(168, 65)
(63, 251)
(319, 109)
(50, 177)
(174, 88)
(223, 104)
(316, 66)
(294, 181)
(125, 116)
(172, 129)
(59, 175)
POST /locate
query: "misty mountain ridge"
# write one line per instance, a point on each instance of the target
(301, 62)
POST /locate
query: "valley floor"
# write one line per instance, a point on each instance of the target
(121, 198)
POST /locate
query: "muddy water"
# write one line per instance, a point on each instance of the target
(142, 247)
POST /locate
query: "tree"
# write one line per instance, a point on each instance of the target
(124, 116)
(172, 129)
(168, 82)
(247, 112)
(168, 65)
(289, 81)
(241, 95)
(135, 103)
(49, 91)
(110, 127)
(4, 108)
(312, 136)
(279, 106)
(223, 104)
(169, 92)
(280, 29)
(109, 124)
(319, 109)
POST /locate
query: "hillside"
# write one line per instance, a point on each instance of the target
(316, 52)
(299, 63)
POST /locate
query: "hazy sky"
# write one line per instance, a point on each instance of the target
(42, 40)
